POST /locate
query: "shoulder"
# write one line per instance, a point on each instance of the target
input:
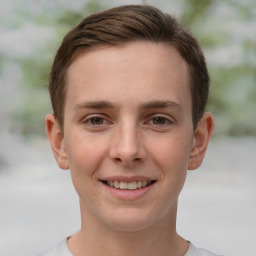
(60, 250)
(193, 251)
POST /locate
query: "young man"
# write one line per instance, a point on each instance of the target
(129, 88)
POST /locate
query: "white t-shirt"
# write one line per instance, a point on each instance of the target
(62, 250)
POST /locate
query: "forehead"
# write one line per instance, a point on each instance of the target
(140, 69)
(145, 50)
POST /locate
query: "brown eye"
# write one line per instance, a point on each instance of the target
(96, 120)
(159, 120)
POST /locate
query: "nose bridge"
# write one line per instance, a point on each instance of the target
(127, 146)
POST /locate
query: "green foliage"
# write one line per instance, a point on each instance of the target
(72, 18)
(233, 83)
(233, 100)
(35, 73)
(194, 10)
(28, 118)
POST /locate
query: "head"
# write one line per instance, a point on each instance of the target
(119, 26)
(129, 88)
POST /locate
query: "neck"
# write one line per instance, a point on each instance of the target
(159, 239)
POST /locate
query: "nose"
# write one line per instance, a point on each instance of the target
(127, 146)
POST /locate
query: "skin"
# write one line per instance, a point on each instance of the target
(128, 113)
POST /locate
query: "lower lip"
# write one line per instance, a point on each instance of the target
(126, 194)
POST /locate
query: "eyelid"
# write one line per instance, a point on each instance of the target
(89, 117)
(170, 120)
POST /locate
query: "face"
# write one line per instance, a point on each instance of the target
(128, 133)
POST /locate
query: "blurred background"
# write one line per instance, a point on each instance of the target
(38, 204)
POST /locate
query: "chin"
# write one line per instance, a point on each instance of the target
(131, 220)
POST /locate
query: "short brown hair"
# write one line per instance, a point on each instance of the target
(118, 26)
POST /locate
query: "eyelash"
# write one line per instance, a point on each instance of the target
(165, 121)
(90, 121)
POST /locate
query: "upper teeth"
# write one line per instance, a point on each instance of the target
(128, 185)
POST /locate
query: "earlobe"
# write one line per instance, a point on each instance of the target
(201, 139)
(56, 140)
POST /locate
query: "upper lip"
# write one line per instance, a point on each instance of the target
(127, 178)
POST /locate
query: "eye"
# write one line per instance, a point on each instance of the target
(159, 120)
(96, 120)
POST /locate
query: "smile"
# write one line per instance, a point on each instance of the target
(122, 185)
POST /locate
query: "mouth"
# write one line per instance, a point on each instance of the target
(134, 185)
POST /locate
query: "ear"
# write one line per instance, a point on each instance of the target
(56, 140)
(201, 139)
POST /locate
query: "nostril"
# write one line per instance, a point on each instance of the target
(127, 161)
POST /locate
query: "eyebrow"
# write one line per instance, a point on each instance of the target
(103, 104)
(97, 104)
(159, 104)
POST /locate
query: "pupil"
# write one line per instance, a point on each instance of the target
(97, 120)
(159, 120)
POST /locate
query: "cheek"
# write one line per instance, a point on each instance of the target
(172, 153)
(85, 158)
(85, 153)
